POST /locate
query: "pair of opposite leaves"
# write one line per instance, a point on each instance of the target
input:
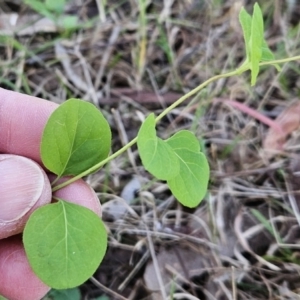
(62, 238)
(84, 140)
(257, 49)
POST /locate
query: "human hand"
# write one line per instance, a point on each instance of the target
(24, 186)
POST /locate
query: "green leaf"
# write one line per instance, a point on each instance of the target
(56, 6)
(267, 54)
(245, 20)
(256, 41)
(177, 160)
(101, 298)
(257, 49)
(190, 184)
(69, 22)
(157, 156)
(69, 294)
(40, 7)
(64, 244)
(75, 138)
(265, 222)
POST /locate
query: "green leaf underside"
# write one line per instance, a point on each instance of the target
(190, 185)
(75, 138)
(69, 294)
(69, 22)
(256, 41)
(56, 6)
(257, 49)
(64, 244)
(157, 156)
(266, 54)
(245, 20)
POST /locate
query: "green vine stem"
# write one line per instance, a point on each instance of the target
(166, 111)
(95, 167)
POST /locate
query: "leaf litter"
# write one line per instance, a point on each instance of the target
(248, 225)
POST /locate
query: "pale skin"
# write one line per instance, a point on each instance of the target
(22, 119)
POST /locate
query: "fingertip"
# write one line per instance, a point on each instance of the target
(24, 187)
(22, 120)
(19, 282)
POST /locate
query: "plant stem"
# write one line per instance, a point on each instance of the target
(192, 93)
(164, 113)
(96, 167)
(280, 61)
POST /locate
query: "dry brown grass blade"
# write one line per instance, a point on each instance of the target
(109, 291)
(243, 241)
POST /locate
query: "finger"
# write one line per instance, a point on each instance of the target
(22, 120)
(14, 266)
(24, 186)
(19, 282)
(79, 193)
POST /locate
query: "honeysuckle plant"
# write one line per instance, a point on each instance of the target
(65, 242)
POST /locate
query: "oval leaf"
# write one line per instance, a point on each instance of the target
(69, 294)
(75, 138)
(56, 6)
(256, 41)
(245, 20)
(157, 156)
(190, 185)
(64, 244)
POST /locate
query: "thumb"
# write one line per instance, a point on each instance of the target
(24, 186)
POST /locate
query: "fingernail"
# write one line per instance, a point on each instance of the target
(21, 184)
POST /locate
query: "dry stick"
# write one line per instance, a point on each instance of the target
(134, 271)
(182, 296)
(271, 167)
(176, 275)
(174, 237)
(234, 294)
(124, 138)
(225, 289)
(244, 243)
(101, 9)
(142, 42)
(184, 269)
(66, 82)
(85, 67)
(267, 284)
(63, 57)
(105, 289)
(106, 55)
(20, 70)
(292, 200)
(156, 266)
(259, 227)
(159, 97)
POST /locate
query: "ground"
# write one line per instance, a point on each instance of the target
(133, 57)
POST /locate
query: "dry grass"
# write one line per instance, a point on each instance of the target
(137, 57)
